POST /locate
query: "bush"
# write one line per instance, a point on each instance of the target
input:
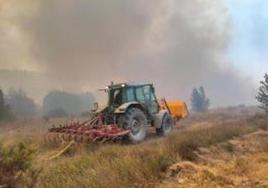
(15, 162)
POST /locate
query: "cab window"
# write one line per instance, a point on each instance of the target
(147, 93)
(130, 94)
(140, 94)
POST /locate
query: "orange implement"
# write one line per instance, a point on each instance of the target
(178, 109)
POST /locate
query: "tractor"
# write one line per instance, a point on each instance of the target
(131, 109)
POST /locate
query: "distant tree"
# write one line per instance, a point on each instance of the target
(2, 102)
(57, 112)
(67, 103)
(20, 104)
(5, 113)
(200, 102)
(262, 96)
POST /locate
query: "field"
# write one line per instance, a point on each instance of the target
(220, 148)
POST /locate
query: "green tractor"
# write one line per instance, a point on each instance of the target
(135, 107)
(131, 109)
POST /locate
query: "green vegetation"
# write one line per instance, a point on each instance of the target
(5, 112)
(262, 96)
(15, 166)
(200, 102)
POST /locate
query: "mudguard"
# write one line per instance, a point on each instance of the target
(123, 108)
(159, 117)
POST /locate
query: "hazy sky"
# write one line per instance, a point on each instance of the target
(249, 44)
(79, 45)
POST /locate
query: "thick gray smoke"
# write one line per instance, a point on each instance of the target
(83, 45)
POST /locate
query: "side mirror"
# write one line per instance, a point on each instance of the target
(95, 107)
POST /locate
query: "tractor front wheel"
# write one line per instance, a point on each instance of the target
(134, 120)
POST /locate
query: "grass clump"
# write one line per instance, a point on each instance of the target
(16, 166)
(187, 142)
(259, 121)
(111, 166)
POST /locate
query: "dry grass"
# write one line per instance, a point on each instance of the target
(117, 165)
(245, 166)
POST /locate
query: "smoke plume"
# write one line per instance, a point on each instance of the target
(83, 45)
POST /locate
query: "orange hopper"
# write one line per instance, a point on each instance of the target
(178, 109)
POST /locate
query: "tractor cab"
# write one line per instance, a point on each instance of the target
(120, 94)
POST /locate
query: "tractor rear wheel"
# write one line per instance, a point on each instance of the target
(166, 127)
(135, 120)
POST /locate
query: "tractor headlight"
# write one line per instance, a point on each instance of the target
(123, 85)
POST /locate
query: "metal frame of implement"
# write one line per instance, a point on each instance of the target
(91, 131)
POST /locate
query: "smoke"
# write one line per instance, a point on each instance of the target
(83, 45)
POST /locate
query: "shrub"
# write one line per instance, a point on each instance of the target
(15, 162)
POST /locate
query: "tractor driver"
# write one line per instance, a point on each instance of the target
(118, 97)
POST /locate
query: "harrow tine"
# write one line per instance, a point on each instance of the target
(64, 136)
(89, 131)
(77, 138)
(80, 139)
(54, 138)
(46, 137)
(89, 140)
(58, 135)
(103, 140)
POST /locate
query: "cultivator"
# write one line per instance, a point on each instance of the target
(89, 131)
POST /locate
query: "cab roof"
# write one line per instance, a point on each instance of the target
(120, 85)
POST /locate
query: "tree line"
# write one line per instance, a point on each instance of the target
(59, 103)
(16, 104)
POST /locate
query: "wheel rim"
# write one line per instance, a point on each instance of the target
(135, 126)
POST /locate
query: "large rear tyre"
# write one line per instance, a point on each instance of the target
(166, 127)
(135, 120)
